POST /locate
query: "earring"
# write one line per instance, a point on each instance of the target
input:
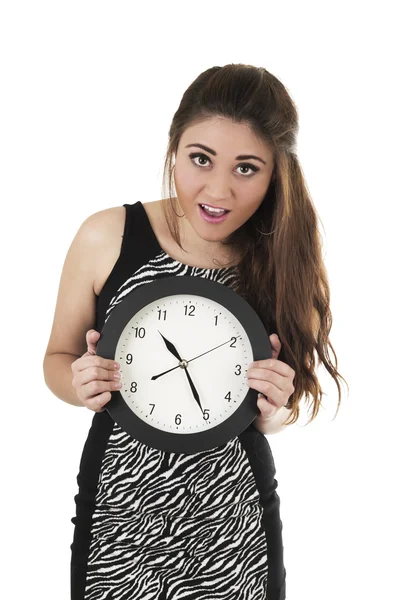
(172, 206)
(262, 232)
(175, 213)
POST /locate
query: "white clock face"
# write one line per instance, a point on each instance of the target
(217, 352)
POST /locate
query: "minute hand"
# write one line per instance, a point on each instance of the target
(177, 367)
(191, 359)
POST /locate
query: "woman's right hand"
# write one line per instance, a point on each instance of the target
(94, 377)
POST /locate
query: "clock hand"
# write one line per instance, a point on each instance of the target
(193, 388)
(191, 359)
(164, 372)
(175, 352)
(173, 368)
(171, 347)
(195, 394)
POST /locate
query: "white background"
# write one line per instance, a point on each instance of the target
(88, 93)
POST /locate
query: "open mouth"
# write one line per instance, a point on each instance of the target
(213, 216)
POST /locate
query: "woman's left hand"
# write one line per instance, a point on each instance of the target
(273, 379)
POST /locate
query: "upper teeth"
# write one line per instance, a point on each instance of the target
(215, 210)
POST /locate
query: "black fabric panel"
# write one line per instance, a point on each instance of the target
(263, 468)
(87, 480)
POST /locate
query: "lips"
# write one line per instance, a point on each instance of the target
(213, 218)
(203, 206)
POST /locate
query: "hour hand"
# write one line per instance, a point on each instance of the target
(171, 347)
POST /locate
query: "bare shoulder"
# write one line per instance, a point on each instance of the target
(103, 223)
(94, 249)
(103, 232)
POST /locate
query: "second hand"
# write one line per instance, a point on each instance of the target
(178, 366)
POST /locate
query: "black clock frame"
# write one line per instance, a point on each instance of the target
(119, 410)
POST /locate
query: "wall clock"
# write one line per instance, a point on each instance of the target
(184, 345)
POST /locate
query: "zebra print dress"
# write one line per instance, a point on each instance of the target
(153, 525)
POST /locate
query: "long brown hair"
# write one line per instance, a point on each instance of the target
(281, 273)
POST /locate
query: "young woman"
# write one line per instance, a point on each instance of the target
(142, 528)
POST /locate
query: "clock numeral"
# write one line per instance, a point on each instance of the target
(139, 332)
(134, 386)
(216, 319)
(164, 312)
(152, 405)
(129, 359)
(238, 367)
(178, 420)
(228, 396)
(191, 309)
(233, 344)
(206, 415)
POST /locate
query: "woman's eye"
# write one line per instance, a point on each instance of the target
(201, 156)
(243, 165)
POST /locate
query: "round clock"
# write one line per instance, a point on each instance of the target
(184, 345)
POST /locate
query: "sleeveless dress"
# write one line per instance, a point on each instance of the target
(153, 525)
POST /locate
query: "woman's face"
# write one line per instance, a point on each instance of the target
(216, 176)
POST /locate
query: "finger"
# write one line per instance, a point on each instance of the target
(92, 338)
(98, 403)
(93, 389)
(267, 410)
(278, 380)
(275, 344)
(99, 373)
(87, 361)
(275, 396)
(278, 366)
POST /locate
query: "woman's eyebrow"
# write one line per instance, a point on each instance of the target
(239, 157)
